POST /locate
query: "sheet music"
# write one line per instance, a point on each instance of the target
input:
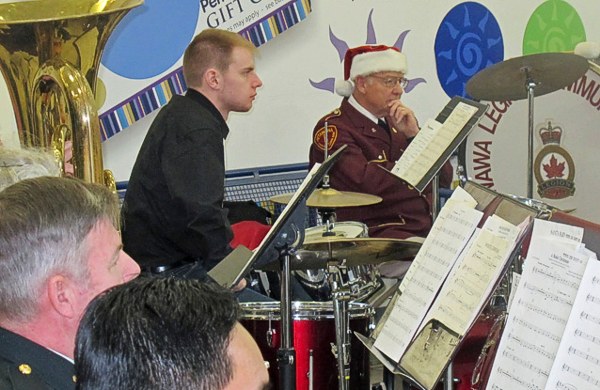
(558, 232)
(577, 363)
(465, 291)
(459, 198)
(430, 143)
(450, 233)
(538, 315)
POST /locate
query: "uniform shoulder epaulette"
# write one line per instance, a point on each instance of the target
(333, 114)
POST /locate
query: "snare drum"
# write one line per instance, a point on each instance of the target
(314, 333)
(363, 279)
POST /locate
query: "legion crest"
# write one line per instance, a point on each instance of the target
(554, 166)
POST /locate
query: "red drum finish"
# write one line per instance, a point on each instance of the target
(314, 333)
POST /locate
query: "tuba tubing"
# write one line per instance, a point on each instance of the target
(50, 51)
(59, 84)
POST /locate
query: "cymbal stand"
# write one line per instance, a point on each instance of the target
(341, 297)
(286, 354)
(530, 84)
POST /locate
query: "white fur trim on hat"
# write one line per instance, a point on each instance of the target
(378, 61)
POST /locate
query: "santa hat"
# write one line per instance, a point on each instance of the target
(364, 60)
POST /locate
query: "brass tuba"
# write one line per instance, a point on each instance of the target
(49, 55)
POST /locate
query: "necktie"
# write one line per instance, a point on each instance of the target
(383, 124)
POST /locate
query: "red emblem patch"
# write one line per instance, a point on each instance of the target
(319, 139)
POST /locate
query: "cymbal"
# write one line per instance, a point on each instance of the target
(355, 251)
(330, 198)
(507, 80)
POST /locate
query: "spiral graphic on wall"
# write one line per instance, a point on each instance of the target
(468, 40)
(554, 26)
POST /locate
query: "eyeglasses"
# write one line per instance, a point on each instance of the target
(390, 82)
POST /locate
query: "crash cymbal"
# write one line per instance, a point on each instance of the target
(330, 198)
(355, 251)
(507, 80)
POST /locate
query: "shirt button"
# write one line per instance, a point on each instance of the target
(380, 157)
(373, 130)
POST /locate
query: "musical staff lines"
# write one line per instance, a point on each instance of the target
(580, 374)
(540, 312)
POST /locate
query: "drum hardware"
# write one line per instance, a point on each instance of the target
(341, 349)
(286, 354)
(526, 77)
(364, 280)
(311, 367)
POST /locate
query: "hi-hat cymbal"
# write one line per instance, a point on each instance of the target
(507, 80)
(330, 198)
(352, 251)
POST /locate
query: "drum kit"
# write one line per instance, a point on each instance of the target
(337, 262)
(337, 266)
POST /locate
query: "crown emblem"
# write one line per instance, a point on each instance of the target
(550, 134)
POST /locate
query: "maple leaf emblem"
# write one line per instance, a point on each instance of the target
(554, 169)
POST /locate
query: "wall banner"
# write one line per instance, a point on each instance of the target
(259, 21)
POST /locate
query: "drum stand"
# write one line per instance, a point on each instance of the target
(286, 354)
(341, 349)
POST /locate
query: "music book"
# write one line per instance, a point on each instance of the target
(551, 337)
(436, 141)
(445, 289)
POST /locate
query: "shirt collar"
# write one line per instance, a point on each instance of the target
(203, 100)
(361, 109)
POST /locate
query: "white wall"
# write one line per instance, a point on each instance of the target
(278, 128)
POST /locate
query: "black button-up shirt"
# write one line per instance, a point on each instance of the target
(173, 209)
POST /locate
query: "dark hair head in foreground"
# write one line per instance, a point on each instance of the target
(164, 333)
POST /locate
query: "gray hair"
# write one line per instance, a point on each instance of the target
(43, 225)
(19, 164)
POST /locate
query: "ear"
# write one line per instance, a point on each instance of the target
(360, 83)
(212, 78)
(62, 295)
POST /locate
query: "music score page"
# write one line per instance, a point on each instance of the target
(471, 280)
(430, 143)
(577, 363)
(540, 308)
(451, 231)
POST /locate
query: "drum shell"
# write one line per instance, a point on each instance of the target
(313, 328)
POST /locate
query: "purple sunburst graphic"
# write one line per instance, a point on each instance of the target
(468, 40)
(341, 46)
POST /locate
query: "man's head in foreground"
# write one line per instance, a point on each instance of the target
(167, 333)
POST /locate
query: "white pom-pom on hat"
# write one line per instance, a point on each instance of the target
(344, 87)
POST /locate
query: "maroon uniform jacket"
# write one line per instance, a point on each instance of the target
(404, 212)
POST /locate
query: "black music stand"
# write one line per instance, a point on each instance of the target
(280, 243)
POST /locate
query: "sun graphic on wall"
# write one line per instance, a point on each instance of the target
(341, 46)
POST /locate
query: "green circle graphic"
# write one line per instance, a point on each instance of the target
(555, 26)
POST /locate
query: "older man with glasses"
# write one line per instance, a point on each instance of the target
(377, 127)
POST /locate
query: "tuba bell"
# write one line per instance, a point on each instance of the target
(50, 51)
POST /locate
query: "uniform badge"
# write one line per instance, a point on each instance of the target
(25, 369)
(554, 166)
(319, 138)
